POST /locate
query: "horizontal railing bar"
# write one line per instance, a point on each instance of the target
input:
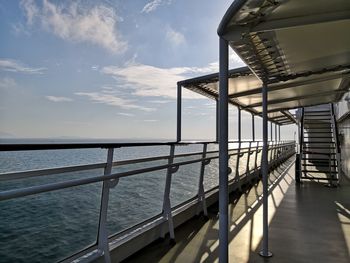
(61, 146)
(50, 171)
(10, 194)
(59, 170)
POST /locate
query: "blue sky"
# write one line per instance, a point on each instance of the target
(107, 69)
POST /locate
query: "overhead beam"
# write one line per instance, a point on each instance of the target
(289, 85)
(299, 106)
(297, 21)
(277, 101)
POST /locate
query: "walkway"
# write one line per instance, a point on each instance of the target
(308, 223)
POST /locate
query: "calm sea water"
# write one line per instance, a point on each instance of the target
(49, 227)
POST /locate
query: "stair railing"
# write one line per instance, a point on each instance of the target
(336, 139)
(301, 146)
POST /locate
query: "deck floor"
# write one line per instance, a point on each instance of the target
(308, 223)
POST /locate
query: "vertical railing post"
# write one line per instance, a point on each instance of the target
(275, 131)
(102, 238)
(271, 138)
(179, 115)
(223, 152)
(248, 159)
(167, 215)
(279, 132)
(201, 193)
(264, 168)
(217, 120)
(256, 158)
(239, 155)
(253, 127)
(277, 152)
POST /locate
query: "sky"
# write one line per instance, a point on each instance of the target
(108, 69)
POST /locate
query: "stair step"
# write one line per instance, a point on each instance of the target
(323, 160)
(318, 132)
(319, 153)
(316, 115)
(318, 178)
(328, 172)
(319, 165)
(316, 111)
(318, 137)
(317, 120)
(316, 125)
(314, 147)
(312, 129)
(329, 142)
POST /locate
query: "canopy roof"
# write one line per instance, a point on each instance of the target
(242, 82)
(300, 49)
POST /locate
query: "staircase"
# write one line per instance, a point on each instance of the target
(319, 148)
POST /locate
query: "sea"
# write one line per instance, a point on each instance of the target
(52, 226)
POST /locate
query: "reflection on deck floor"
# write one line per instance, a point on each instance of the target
(311, 224)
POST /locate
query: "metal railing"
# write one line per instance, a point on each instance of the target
(278, 152)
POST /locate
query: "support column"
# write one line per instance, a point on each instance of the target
(264, 169)
(253, 127)
(239, 125)
(223, 152)
(271, 138)
(279, 132)
(217, 120)
(179, 116)
(275, 132)
(239, 155)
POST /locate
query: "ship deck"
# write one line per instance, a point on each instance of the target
(307, 223)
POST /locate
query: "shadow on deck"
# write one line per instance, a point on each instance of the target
(308, 223)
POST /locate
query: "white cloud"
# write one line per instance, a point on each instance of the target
(145, 80)
(31, 10)
(112, 100)
(15, 66)
(150, 120)
(126, 114)
(160, 101)
(58, 99)
(94, 25)
(19, 29)
(7, 83)
(151, 6)
(149, 81)
(174, 37)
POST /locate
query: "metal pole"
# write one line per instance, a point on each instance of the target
(275, 132)
(279, 132)
(223, 152)
(264, 169)
(102, 237)
(167, 214)
(239, 125)
(237, 176)
(201, 193)
(253, 127)
(270, 130)
(217, 120)
(179, 117)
